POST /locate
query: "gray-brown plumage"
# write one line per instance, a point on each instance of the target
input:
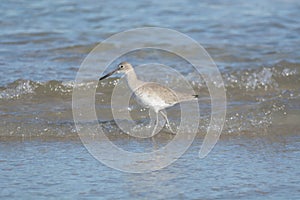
(152, 95)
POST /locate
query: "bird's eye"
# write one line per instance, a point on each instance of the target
(121, 66)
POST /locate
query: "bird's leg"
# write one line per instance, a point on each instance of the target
(166, 118)
(152, 116)
(156, 124)
(153, 121)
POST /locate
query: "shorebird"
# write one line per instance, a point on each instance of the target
(150, 94)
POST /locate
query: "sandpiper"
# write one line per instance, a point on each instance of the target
(150, 94)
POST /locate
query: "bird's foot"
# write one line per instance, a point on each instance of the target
(170, 129)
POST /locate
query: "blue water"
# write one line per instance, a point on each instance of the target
(240, 168)
(47, 40)
(256, 45)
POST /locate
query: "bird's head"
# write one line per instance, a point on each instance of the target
(123, 67)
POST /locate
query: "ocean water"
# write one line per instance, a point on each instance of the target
(256, 46)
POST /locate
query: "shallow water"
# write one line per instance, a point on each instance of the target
(238, 167)
(256, 47)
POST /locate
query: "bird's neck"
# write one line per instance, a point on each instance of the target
(132, 80)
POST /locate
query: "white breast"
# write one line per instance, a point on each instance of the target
(151, 100)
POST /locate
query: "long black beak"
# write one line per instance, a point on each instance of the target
(107, 75)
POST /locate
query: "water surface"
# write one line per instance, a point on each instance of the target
(256, 47)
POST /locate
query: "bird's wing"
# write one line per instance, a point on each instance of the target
(156, 89)
(165, 93)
